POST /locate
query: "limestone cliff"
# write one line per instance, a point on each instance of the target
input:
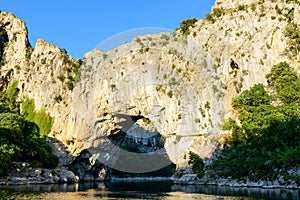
(179, 85)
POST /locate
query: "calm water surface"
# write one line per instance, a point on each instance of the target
(141, 190)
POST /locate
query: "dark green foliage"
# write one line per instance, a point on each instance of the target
(70, 85)
(289, 14)
(29, 51)
(269, 135)
(291, 1)
(186, 24)
(61, 78)
(292, 32)
(286, 82)
(43, 61)
(254, 97)
(197, 164)
(72, 68)
(241, 7)
(216, 13)
(170, 94)
(278, 10)
(58, 98)
(76, 67)
(20, 139)
(210, 17)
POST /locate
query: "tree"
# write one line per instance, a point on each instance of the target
(20, 139)
(286, 82)
(269, 135)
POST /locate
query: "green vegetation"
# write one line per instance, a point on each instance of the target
(11, 95)
(290, 1)
(186, 24)
(286, 82)
(72, 68)
(43, 61)
(61, 78)
(170, 94)
(197, 164)
(20, 138)
(292, 31)
(216, 13)
(112, 87)
(40, 117)
(241, 7)
(202, 111)
(70, 85)
(19, 195)
(146, 120)
(268, 138)
(58, 98)
(179, 116)
(29, 51)
(207, 105)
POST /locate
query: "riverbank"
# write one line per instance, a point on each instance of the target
(192, 179)
(26, 175)
(70, 178)
(188, 179)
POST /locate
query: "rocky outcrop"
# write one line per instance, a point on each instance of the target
(88, 169)
(179, 86)
(24, 174)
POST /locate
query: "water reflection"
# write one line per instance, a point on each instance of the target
(235, 191)
(150, 190)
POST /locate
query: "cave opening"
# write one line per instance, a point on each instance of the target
(140, 136)
(3, 42)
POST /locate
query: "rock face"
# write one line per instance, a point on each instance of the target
(180, 86)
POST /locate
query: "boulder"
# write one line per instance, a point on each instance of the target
(66, 176)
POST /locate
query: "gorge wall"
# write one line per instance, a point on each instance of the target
(179, 85)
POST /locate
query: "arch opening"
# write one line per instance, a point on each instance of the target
(141, 137)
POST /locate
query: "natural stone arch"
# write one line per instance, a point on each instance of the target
(109, 96)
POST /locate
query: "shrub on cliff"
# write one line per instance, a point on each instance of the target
(197, 164)
(39, 117)
(186, 25)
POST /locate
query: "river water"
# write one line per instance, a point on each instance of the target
(141, 190)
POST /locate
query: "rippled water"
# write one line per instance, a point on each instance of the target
(141, 190)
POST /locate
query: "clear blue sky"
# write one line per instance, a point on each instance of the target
(79, 26)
